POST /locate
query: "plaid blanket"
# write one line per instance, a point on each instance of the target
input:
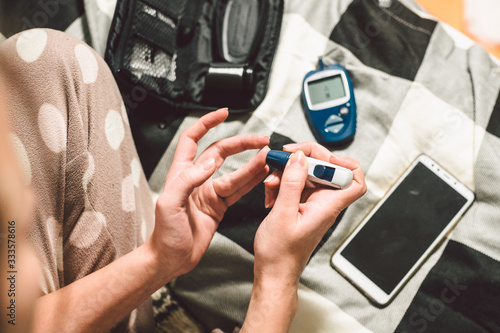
(421, 87)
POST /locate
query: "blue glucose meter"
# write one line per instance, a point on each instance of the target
(329, 104)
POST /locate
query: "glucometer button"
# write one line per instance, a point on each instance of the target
(344, 111)
(332, 120)
(323, 172)
(335, 128)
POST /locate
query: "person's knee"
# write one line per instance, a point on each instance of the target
(37, 44)
(47, 48)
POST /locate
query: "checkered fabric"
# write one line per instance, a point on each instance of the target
(421, 87)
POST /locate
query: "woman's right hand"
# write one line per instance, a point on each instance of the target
(301, 214)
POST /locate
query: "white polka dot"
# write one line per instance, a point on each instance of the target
(87, 229)
(22, 155)
(52, 127)
(89, 172)
(88, 63)
(115, 132)
(30, 44)
(128, 194)
(53, 231)
(135, 166)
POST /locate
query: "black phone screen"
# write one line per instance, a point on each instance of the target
(403, 228)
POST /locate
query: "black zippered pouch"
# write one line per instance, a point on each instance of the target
(193, 54)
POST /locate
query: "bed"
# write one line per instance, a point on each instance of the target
(421, 87)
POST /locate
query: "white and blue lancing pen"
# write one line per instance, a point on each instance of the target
(320, 172)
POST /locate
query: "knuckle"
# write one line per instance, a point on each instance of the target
(184, 135)
(292, 183)
(185, 177)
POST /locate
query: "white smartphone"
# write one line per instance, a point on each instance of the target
(402, 230)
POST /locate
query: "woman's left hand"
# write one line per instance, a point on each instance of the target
(192, 204)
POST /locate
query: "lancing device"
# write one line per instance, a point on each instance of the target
(320, 172)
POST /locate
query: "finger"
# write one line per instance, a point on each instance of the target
(346, 162)
(273, 180)
(272, 185)
(271, 188)
(188, 142)
(357, 171)
(220, 150)
(291, 187)
(311, 149)
(358, 187)
(228, 184)
(186, 181)
(317, 151)
(327, 203)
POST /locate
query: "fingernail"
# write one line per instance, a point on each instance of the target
(208, 164)
(298, 158)
(271, 178)
(267, 200)
(288, 146)
(271, 202)
(268, 203)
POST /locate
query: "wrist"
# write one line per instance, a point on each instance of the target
(277, 272)
(272, 307)
(156, 265)
(274, 289)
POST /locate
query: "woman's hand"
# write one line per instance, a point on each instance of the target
(192, 203)
(301, 212)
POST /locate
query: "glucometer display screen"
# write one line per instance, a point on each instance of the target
(326, 89)
(402, 229)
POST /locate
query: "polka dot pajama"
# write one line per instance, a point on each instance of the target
(71, 134)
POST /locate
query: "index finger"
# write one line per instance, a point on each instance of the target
(311, 149)
(188, 142)
(317, 151)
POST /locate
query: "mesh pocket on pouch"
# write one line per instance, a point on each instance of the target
(150, 55)
(171, 47)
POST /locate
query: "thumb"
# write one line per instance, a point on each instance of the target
(188, 179)
(291, 187)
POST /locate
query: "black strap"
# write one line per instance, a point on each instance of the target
(186, 54)
(156, 31)
(173, 9)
